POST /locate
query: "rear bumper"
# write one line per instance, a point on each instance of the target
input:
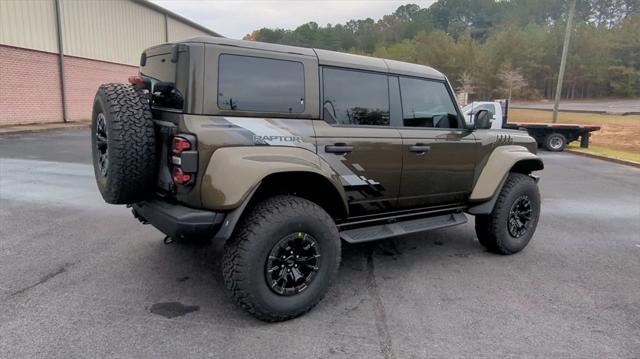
(178, 221)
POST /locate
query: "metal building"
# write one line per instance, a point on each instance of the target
(55, 53)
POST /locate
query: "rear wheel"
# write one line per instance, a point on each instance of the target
(512, 223)
(283, 259)
(555, 142)
(123, 144)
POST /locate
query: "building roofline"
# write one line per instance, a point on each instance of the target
(158, 8)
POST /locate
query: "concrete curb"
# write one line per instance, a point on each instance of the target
(605, 158)
(40, 127)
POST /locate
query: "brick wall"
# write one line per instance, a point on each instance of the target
(84, 76)
(30, 85)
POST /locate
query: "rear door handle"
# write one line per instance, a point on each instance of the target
(420, 148)
(338, 148)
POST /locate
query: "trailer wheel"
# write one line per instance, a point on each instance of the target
(555, 142)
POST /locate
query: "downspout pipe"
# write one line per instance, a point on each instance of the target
(63, 87)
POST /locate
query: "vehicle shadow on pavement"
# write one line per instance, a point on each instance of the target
(194, 271)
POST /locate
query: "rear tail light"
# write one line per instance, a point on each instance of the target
(184, 159)
(180, 177)
(180, 145)
(136, 80)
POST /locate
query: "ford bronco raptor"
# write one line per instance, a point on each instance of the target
(281, 152)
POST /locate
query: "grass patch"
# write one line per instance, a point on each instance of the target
(607, 152)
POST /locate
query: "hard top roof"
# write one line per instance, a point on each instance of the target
(331, 58)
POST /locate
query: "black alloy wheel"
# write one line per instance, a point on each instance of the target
(520, 216)
(102, 144)
(292, 264)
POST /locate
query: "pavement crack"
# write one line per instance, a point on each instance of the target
(378, 306)
(44, 279)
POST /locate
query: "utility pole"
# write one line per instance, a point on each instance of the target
(563, 60)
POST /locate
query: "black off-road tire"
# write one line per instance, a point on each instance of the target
(122, 118)
(493, 230)
(261, 230)
(555, 142)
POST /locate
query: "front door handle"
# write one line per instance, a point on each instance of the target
(338, 148)
(420, 148)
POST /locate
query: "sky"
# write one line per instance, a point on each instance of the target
(236, 18)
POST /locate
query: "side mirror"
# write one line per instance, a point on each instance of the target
(482, 120)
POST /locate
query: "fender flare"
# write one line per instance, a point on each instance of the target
(249, 166)
(501, 162)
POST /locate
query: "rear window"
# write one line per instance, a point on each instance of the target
(257, 84)
(166, 93)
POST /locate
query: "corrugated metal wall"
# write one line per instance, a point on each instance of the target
(29, 23)
(114, 30)
(180, 31)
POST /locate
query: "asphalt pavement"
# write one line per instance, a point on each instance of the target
(80, 278)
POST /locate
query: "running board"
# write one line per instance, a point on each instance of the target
(381, 231)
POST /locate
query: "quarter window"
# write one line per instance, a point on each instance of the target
(257, 84)
(355, 97)
(427, 104)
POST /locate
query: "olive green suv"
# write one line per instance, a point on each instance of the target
(282, 152)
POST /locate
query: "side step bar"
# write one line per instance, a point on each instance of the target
(381, 231)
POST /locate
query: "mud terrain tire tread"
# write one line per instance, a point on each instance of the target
(492, 230)
(247, 242)
(131, 144)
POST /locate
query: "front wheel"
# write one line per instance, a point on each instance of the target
(283, 258)
(511, 224)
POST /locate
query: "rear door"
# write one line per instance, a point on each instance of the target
(438, 154)
(356, 140)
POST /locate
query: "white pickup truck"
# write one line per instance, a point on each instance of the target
(552, 136)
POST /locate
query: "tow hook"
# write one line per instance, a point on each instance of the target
(137, 216)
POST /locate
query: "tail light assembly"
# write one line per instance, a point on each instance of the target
(184, 159)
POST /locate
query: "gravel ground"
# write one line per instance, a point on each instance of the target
(80, 278)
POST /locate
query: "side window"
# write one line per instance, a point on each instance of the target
(355, 97)
(485, 106)
(427, 103)
(257, 84)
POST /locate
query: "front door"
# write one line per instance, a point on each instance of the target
(356, 140)
(438, 154)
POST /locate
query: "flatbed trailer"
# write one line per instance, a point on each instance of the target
(552, 136)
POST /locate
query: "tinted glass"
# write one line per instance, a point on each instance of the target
(427, 104)
(354, 97)
(257, 84)
(162, 74)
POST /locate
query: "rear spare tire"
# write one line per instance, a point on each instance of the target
(555, 142)
(122, 144)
